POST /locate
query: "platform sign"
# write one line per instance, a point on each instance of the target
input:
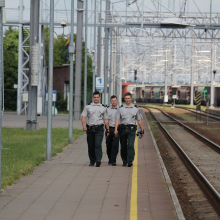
(99, 83)
(174, 96)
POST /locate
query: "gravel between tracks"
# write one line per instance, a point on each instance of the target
(192, 199)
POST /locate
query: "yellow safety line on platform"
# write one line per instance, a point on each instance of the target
(134, 188)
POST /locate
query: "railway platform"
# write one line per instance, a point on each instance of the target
(67, 188)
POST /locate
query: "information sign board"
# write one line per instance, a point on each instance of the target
(99, 83)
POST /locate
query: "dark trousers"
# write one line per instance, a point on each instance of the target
(127, 138)
(94, 140)
(112, 145)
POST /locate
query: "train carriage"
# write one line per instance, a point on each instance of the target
(148, 94)
(184, 95)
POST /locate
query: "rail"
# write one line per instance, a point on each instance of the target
(207, 187)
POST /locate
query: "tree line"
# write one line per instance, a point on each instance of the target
(10, 53)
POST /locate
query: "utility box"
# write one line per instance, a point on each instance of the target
(2, 3)
(25, 97)
(39, 106)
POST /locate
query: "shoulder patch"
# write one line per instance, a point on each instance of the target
(136, 106)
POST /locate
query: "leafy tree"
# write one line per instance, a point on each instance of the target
(10, 53)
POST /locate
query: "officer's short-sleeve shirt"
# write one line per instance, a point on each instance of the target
(95, 114)
(111, 115)
(128, 114)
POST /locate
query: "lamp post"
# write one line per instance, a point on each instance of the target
(212, 75)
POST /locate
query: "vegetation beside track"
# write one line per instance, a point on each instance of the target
(203, 108)
(179, 116)
(23, 150)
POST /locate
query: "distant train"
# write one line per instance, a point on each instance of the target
(155, 93)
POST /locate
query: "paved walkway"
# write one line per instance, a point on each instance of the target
(59, 121)
(68, 189)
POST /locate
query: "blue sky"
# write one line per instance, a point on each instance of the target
(204, 5)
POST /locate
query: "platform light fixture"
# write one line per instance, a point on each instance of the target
(163, 50)
(204, 51)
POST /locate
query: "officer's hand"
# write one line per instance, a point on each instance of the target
(142, 135)
(107, 134)
(116, 132)
(84, 128)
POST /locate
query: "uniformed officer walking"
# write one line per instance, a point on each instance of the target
(96, 115)
(128, 114)
(112, 141)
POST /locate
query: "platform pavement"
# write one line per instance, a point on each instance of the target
(13, 120)
(67, 188)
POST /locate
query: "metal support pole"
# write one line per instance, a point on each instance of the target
(142, 15)
(113, 61)
(174, 63)
(192, 75)
(94, 63)
(166, 76)
(71, 54)
(110, 77)
(1, 78)
(150, 73)
(78, 79)
(85, 61)
(100, 42)
(99, 49)
(50, 83)
(212, 75)
(210, 12)
(20, 57)
(32, 123)
(107, 13)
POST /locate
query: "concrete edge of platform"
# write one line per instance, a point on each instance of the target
(173, 195)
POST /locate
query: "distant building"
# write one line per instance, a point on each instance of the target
(61, 80)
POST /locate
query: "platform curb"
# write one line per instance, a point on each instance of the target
(173, 195)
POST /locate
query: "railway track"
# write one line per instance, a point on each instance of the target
(199, 154)
(212, 116)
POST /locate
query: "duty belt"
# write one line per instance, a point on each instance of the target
(111, 127)
(128, 127)
(95, 127)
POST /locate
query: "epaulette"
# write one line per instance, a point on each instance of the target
(120, 106)
(136, 106)
(89, 103)
(104, 105)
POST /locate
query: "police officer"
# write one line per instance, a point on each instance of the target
(112, 141)
(128, 114)
(96, 115)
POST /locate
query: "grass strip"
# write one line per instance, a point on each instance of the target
(203, 108)
(187, 117)
(23, 150)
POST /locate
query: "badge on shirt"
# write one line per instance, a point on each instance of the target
(133, 116)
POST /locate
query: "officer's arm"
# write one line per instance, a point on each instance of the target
(141, 126)
(84, 123)
(107, 126)
(116, 126)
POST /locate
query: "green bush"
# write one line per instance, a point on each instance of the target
(61, 104)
